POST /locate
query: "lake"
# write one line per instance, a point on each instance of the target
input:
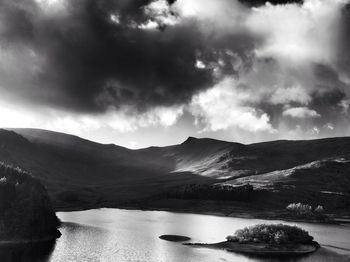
(132, 235)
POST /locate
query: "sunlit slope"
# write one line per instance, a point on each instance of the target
(330, 176)
(81, 172)
(224, 160)
(198, 156)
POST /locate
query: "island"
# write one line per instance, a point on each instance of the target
(174, 238)
(274, 240)
(26, 213)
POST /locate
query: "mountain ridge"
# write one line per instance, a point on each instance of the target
(79, 172)
(189, 139)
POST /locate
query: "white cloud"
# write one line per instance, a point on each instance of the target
(290, 94)
(160, 15)
(301, 112)
(123, 120)
(215, 17)
(228, 10)
(150, 25)
(315, 130)
(291, 33)
(70, 124)
(329, 126)
(344, 104)
(115, 18)
(200, 64)
(167, 116)
(51, 7)
(222, 107)
(11, 117)
(298, 33)
(126, 120)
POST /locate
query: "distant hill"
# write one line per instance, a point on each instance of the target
(78, 172)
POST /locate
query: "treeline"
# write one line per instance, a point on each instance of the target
(213, 192)
(275, 234)
(25, 207)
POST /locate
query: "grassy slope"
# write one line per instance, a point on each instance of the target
(78, 172)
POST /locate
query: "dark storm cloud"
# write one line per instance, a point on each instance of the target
(274, 2)
(344, 41)
(87, 62)
(330, 93)
(231, 66)
(260, 2)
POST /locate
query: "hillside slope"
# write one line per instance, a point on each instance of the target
(82, 173)
(25, 210)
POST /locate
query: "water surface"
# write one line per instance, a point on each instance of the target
(131, 235)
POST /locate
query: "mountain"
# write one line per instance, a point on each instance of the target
(79, 172)
(82, 173)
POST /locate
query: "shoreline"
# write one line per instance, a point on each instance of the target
(261, 250)
(26, 241)
(246, 214)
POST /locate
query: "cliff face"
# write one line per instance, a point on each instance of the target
(25, 209)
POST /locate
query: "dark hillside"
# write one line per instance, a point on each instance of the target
(25, 209)
(81, 174)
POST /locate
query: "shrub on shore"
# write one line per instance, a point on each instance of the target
(306, 211)
(319, 209)
(299, 208)
(277, 234)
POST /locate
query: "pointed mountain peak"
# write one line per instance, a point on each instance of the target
(190, 139)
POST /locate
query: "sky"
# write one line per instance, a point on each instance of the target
(142, 73)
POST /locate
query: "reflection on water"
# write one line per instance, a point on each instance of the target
(125, 235)
(35, 252)
(322, 255)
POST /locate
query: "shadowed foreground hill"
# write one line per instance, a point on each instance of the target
(79, 173)
(25, 209)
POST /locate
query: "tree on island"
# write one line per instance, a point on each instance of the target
(275, 234)
(274, 240)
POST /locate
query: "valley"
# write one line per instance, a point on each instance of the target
(80, 174)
